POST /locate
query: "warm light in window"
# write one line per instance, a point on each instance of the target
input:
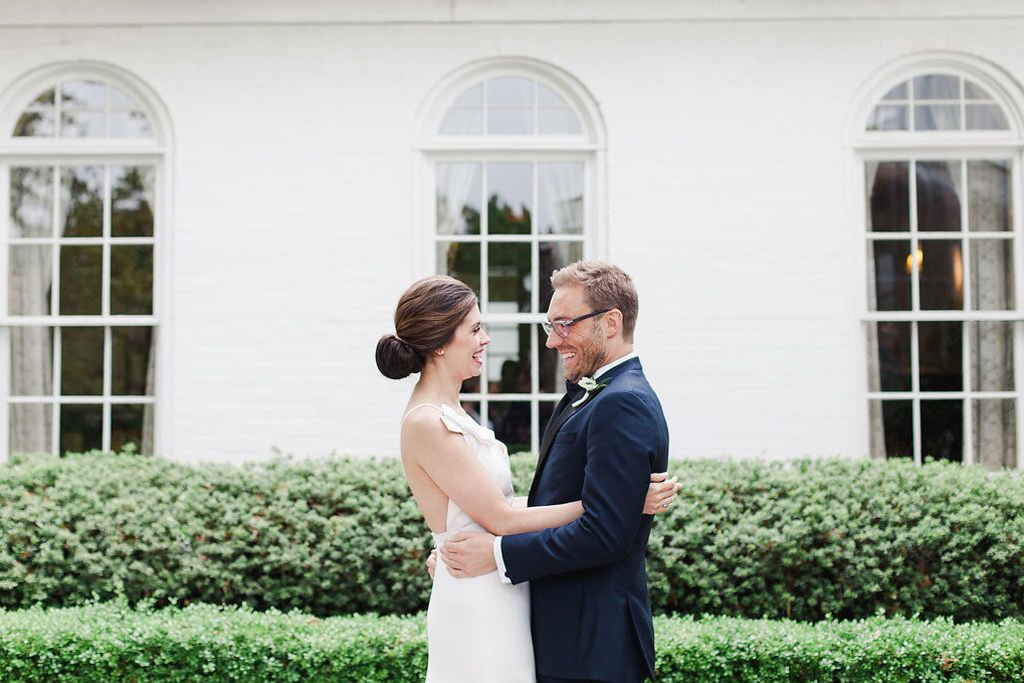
(958, 271)
(920, 260)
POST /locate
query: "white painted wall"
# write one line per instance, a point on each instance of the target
(729, 195)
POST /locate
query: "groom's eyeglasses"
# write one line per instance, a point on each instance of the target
(561, 327)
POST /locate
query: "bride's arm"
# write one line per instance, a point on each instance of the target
(448, 461)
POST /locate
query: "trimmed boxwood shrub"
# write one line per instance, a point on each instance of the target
(846, 539)
(111, 642)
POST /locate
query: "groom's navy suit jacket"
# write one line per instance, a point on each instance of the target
(591, 614)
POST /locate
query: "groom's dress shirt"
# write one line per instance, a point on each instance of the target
(498, 560)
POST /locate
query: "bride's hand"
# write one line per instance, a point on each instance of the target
(661, 493)
(432, 563)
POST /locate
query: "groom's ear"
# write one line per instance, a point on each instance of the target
(613, 323)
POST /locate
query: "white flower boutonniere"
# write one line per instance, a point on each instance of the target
(591, 386)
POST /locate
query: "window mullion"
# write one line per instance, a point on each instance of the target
(107, 372)
(915, 360)
(55, 387)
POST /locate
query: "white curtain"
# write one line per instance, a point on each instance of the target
(992, 342)
(560, 186)
(876, 426)
(456, 183)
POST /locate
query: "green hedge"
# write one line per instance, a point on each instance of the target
(846, 539)
(109, 642)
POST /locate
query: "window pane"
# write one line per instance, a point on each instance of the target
(552, 370)
(898, 92)
(942, 430)
(463, 121)
(558, 121)
(995, 433)
(555, 255)
(940, 353)
(459, 198)
(510, 421)
(472, 409)
(973, 91)
(889, 117)
(131, 196)
(510, 198)
(84, 94)
(508, 277)
(560, 198)
(937, 117)
(888, 196)
(546, 95)
(889, 360)
(81, 428)
(80, 280)
(988, 185)
(81, 201)
(82, 124)
(31, 427)
(510, 121)
(942, 275)
(992, 275)
(81, 365)
(889, 275)
(938, 195)
(471, 385)
(986, 117)
(131, 424)
(32, 361)
(132, 373)
(472, 96)
(129, 124)
(131, 280)
(508, 359)
(510, 90)
(29, 276)
(38, 123)
(937, 87)
(120, 99)
(991, 355)
(32, 201)
(460, 260)
(892, 429)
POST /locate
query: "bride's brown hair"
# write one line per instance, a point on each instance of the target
(427, 315)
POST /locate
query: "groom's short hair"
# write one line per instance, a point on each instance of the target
(605, 285)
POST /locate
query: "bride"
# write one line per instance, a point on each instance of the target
(478, 629)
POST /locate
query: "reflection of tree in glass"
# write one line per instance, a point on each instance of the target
(83, 210)
(131, 280)
(131, 213)
(462, 262)
(80, 280)
(503, 218)
(510, 264)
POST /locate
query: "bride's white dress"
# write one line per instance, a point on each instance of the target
(478, 629)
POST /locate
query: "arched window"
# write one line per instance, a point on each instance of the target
(939, 150)
(513, 153)
(83, 166)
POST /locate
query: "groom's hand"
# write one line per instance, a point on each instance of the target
(469, 554)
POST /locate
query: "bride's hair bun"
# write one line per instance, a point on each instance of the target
(426, 318)
(396, 359)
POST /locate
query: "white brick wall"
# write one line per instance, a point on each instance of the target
(728, 195)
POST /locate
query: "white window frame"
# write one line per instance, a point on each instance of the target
(432, 148)
(53, 151)
(913, 146)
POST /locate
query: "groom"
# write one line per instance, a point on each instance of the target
(590, 610)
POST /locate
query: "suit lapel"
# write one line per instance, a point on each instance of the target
(563, 411)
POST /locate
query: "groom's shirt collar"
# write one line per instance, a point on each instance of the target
(618, 361)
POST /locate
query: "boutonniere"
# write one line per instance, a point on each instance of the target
(591, 386)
